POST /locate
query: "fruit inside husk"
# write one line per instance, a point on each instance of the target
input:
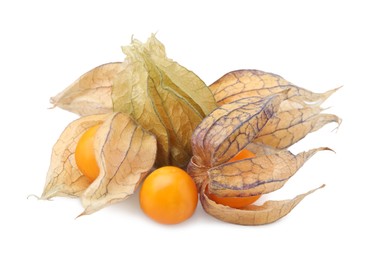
(154, 112)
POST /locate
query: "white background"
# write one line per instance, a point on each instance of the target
(46, 45)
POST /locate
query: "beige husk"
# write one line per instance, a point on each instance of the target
(125, 153)
(155, 112)
(90, 94)
(266, 114)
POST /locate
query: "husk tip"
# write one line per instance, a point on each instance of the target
(34, 196)
(47, 195)
(330, 92)
(324, 148)
(338, 121)
(327, 149)
(53, 102)
(84, 213)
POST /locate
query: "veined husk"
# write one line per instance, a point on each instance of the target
(125, 153)
(297, 116)
(266, 213)
(161, 95)
(164, 97)
(157, 110)
(263, 113)
(90, 94)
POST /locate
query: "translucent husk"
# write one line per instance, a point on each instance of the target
(90, 94)
(266, 114)
(155, 111)
(125, 153)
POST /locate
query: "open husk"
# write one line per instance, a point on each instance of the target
(155, 112)
(266, 213)
(162, 96)
(266, 114)
(125, 153)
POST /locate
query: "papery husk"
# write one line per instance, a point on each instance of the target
(125, 153)
(131, 95)
(161, 95)
(90, 94)
(256, 176)
(296, 117)
(63, 176)
(165, 98)
(238, 125)
(231, 127)
(188, 83)
(266, 213)
(227, 130)
(238, 84)
(289, 127)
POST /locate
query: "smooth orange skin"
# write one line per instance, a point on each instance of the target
(85, 155)
(235, 202)
(168, 195)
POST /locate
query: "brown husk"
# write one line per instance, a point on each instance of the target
(266, 114)
(267, 213)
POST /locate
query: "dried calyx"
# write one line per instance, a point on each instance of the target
(266, 114)
(125, 153)
(155, 112)
(148, 107)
